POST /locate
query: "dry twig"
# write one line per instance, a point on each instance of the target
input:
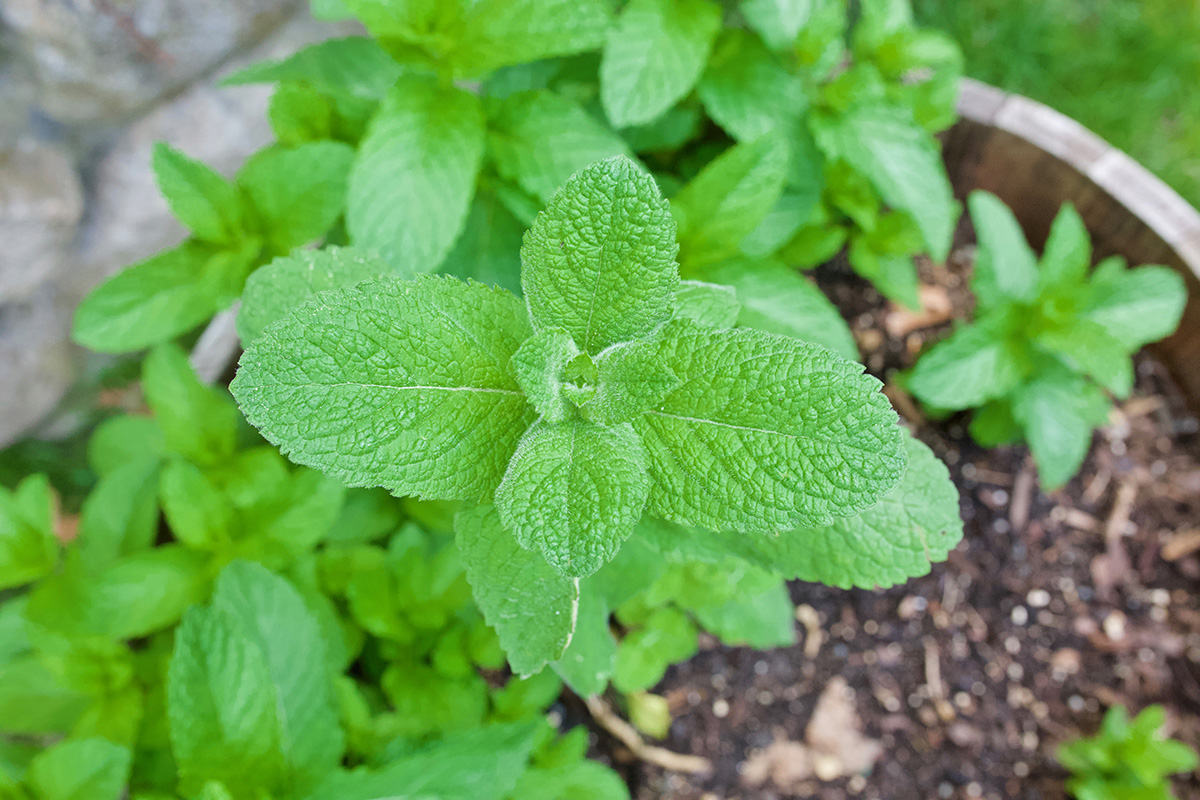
(627, 735)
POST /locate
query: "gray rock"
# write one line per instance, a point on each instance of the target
(40, 205)
(107, 59)
(36, 361)
(127, 218)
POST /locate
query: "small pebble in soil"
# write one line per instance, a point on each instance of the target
(721, 708)
(1038, 598)
(1020, 615)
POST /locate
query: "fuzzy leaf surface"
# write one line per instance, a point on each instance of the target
(531, 607)
(574, 490)
(599, 262)
(766, 433)
(401, 384)
(288, 281)
(914, 525)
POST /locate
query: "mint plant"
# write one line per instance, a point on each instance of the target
(435, 143)
(572, 414)
(1126, 758)
(1052, 339)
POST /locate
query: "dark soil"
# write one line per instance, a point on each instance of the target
(1052, 609)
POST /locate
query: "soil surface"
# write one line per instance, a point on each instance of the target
(1052, 609)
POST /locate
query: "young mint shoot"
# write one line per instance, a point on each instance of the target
(584, 408)
(1051, 340)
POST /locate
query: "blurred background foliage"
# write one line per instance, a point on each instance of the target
(1127, 69)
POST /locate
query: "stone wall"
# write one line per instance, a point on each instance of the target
(86, 88)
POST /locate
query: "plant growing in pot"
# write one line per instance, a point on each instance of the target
(661, 432)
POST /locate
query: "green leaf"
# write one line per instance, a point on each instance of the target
(428, 405)
(28, 546)
(1136, 306)
(356, 65)
(272, 615)
(503, 32)
(83, 769)
(1005, 264)
(168, 294)
(120, 516)
(298, 192)
(300, 114)
(914, 525)
(531, 607)
(975, 364)
(199, 422)
(902, 162)
(1058, 412)
(761, 619)
(708, 304)
(993, 425)
(204, 201)
(778, 22)
(777, 299)
(895, 276)
(667, 637)
(580, 780)
(539, 139)
(599, 262)
(1088, 347)
(722, 205)
(133, 597)
(540, 363)
(413, 178)
(575, 490)
(654, 55)
(34, 701)
(427, 701)
(748, 91)
(766, 433)
(222, 706)
(1068, 253)
(631, 379)
(122, 440)
(289, 281)
(480, 764)
(588, 661)
(489, 249)
(198, 514)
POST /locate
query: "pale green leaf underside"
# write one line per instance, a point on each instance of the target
(766, 433)
(400, 384)
(289, 281)
(574, 490)
(531, 607)
(599, 262)
(654, 55)
(914, 525)
(414, 176)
